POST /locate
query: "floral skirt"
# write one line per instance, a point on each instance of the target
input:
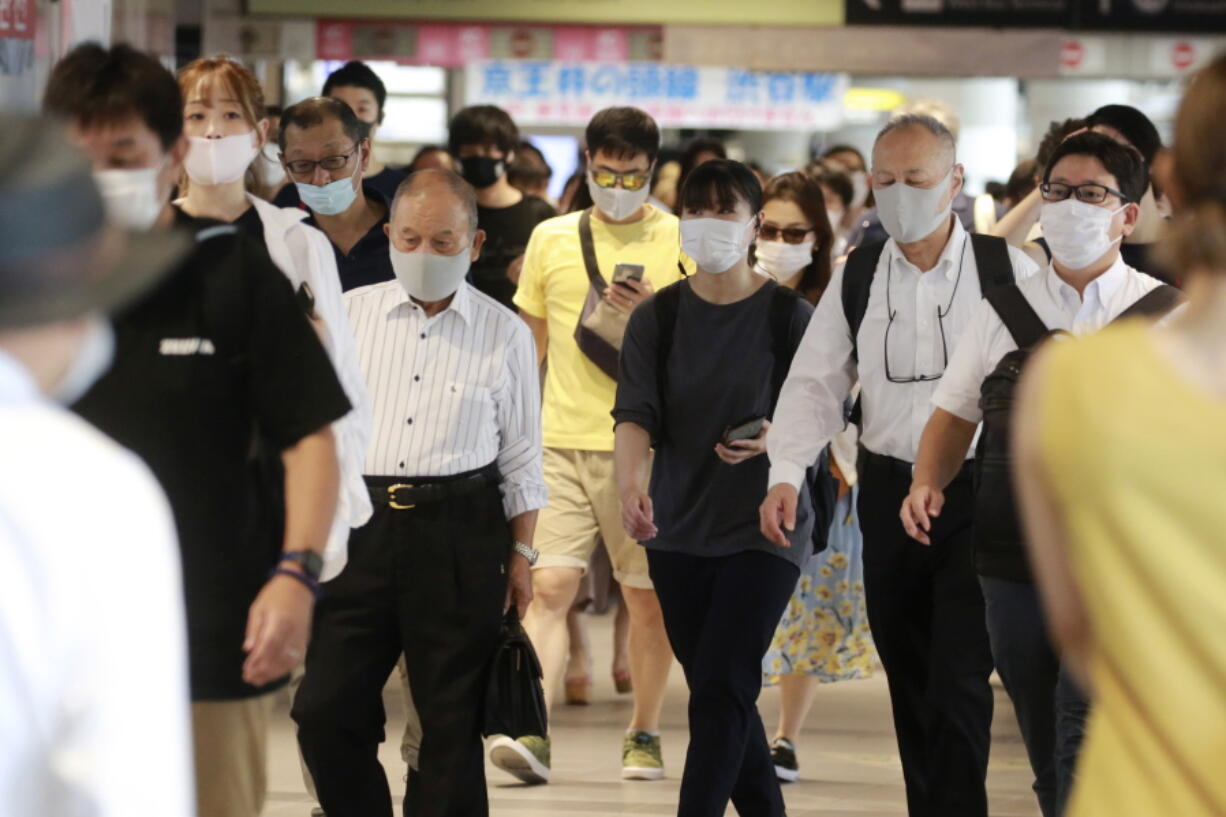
(824, 631)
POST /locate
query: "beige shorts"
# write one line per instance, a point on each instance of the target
(584, 509)
(231, 752)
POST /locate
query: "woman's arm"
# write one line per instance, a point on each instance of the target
(631, 449)
(1046, 534)
(1015, 225)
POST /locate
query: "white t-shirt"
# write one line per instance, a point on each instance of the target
(93, 662)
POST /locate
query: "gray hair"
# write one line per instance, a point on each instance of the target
(928, 123)
(318, 109)
(462, 190)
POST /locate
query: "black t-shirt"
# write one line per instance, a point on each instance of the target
(507, 230)
(369, 261)
(252, 226)
(213, 367)
(385, 181)
(719, 374)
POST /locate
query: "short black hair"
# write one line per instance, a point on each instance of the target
(1133, 125)
(357, 74)
(718, 185)
(315, 111)
(1021, 181)
(482, 125)
(529, 169)
(1123, 162)
(93, 85)
(696, 148)
(623, 133)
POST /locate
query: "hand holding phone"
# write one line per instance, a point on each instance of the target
(743, 441)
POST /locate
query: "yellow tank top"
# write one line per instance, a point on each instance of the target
(1137, 455)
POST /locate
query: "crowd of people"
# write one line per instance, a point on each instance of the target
(328, 421)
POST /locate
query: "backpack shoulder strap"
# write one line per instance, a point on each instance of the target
(782, 308)
(589, 251)
(1158, 301)
(992, 261)
(1018, 316)
(1044, 246)
(858, 272)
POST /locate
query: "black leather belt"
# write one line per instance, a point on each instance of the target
(406, 493)
(896, 468)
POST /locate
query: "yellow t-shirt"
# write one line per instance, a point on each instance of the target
(575, 411)
(1137, 457)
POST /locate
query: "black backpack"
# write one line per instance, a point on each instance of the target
(991, 260)
(999, 548)
(822, 484)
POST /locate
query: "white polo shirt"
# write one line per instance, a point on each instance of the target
(986, 340)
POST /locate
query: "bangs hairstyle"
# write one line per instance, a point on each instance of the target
(804, 190)
(720, 184)
(1123, 162)
(482, 125)
(623, 133)
(94, 86)
(226, 79)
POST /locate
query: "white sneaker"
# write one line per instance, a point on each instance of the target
(526, 759)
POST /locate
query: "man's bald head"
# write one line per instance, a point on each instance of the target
(435, 189)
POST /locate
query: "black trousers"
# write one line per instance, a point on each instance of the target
(429, 582)
(721, 614)
(926, 611)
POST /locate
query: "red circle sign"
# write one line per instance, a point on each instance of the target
(522, 43)
(1072, 53)
(1183, 54)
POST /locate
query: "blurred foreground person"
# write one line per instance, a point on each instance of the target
(217, 375)
(93, 663)
(1125, 528)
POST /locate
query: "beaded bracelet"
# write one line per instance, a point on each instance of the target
(306, 580)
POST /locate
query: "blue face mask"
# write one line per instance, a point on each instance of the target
(332, 198)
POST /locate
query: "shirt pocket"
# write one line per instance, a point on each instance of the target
(470, 406)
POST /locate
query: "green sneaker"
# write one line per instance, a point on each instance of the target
(527, 758)
(641, 756)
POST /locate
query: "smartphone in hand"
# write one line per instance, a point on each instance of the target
(744, 430)
(627, 272)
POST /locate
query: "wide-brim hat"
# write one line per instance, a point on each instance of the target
(59, 258)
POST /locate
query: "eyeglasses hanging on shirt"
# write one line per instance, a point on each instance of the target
(941, 313)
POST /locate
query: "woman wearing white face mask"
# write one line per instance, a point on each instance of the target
(223, 108)
(701, 368)
(795, 241)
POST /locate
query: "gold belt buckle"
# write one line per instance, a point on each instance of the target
(391, 498)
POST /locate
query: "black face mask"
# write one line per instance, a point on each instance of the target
(482, 171)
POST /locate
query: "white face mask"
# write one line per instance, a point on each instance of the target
(93, 359)
(714, 244)
(859, 186)
(836, 219)
(268, 166)
(332, 198)
(615, 202)
(220, 161)
(429, 277)
(131, 197)
(910, 213)
(1077, 233)
(783, 260)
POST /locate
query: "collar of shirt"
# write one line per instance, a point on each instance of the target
(947, 264)
(1099, 293)
(461, 304)
(17, 385)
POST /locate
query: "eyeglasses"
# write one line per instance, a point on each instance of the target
(1089, 193)
(306, 167)
(941, 313)
(790, 235)
(630, 181)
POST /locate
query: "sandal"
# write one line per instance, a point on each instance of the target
(579, 690)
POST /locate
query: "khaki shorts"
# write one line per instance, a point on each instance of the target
(231, 751)
(584, 509)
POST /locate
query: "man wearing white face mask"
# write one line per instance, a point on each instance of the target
(891, 316)
(454, 471)
(601, 262)
(215, 362)
(1091, 190)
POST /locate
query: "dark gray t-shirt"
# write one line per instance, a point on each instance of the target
(719, 373)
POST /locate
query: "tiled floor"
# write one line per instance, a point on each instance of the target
(849, 763)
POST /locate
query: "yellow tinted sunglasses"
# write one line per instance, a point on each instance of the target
(630, 181)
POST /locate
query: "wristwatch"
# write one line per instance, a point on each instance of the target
(311, 562)
(528, 552)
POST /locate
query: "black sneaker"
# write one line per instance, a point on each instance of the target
(783, 755)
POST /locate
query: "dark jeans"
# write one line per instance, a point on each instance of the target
(429, 582)
(927, 617)
(1051, 710)
(721, 614)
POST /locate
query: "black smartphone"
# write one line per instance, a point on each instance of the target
(744, 430)
(627, 272)
(306, 299)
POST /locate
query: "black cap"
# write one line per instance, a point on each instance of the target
(59, 258)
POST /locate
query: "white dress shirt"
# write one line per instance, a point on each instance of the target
(987, 340)
(451, 393)
(810, 410)
(93, 660)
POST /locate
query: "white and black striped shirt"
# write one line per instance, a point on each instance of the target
(451, 393)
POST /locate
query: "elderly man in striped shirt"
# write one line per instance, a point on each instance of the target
(454, 469)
